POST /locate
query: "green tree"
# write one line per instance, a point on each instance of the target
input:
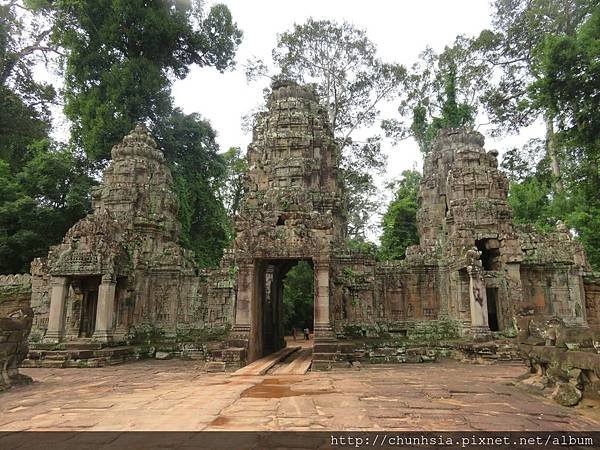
(190, 147)
(567, 87)
(352, 82)
(441, 91)
(520, 28)
(44, 186)
(298, 297)
(232, 189)
(121, 56)
(400, 220)
(39, 204)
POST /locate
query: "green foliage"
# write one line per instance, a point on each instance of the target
(198, 171)
(441, 91)
(39, 204)
(568, 79)
(298, 297)
(453, 115)
(24, 36)
(44, 188)
(520, 28)
(400, 220)
(232, 189)
(122, 55)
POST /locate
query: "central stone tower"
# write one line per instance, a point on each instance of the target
(292, 211)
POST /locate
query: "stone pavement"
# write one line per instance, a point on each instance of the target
(178, 395)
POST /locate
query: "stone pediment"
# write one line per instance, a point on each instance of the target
(93, 246)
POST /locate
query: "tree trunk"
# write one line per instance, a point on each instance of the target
(551, 152)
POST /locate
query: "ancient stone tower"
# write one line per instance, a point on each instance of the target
(292, 210)
(121, 265)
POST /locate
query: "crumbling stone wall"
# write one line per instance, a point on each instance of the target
(15, 324)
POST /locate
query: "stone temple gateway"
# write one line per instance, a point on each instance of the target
(120, 282)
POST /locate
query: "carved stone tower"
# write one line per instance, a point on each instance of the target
(292, 210)
(121, 265)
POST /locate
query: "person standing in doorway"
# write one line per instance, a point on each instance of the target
(306, 334)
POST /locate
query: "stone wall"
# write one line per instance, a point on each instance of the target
(15, 324)
(592, 298)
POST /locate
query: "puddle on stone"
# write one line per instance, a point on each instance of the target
(278, 388)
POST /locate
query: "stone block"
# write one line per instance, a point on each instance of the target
(163, 355)
(215, 366)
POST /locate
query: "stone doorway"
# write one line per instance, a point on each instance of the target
(268, 328)
(492, 306)
(89, 306)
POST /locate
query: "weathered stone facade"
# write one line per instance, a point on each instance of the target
(121, 277)
(15, 324)
(292, 210)
(473, 270)
(120, 273)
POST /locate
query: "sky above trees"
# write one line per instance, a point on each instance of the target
(400, 31)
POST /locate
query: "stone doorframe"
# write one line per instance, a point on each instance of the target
(249, 298)
(104, 310)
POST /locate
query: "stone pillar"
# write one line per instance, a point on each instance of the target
(243, 298)
(478, 300)
(322, 318)
(56, 317)
(105, 309)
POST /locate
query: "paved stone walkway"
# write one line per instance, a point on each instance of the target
(177, 395)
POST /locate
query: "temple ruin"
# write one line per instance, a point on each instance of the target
(120, 280)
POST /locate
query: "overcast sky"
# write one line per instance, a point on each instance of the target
(399, 29)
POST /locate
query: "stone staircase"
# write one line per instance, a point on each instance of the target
(332, 353)
(232, 354)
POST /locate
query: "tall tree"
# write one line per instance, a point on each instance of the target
(568, 83)
(190, 146)
(400, 220)
(298, 297)
(519, 30)
(441, 91)
(44, 185)
(232, 189)
(121, 56)
(352, 82)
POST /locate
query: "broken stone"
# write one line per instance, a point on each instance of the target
(566, 394)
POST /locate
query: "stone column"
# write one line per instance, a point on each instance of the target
(105, 309)
(478, 300)
(245, 278)
(56, 317)
(322, 317)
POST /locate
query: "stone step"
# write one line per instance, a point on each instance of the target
(262, 365)
(77, 345)
(195, 354)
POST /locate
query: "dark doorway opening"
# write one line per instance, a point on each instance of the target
(287, 292)
(490, 253)
(492, 307)
(87, 324)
